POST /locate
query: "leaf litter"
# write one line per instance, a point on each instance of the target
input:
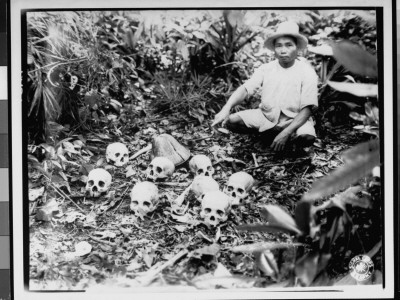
(165, 248)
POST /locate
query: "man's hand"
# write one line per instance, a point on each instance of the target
(280, 141)
(222, 116)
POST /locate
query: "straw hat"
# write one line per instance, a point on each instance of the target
(287, 29)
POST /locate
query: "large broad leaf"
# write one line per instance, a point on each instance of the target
(266, 263)
(354, 58)
(302, 215)
(262, 246)
(357, 89)
(234, 17)
(372, 112)
(266, 228)
(368, 16)
(360, 150)
(306, 268)
(276, 216)
(183, 49)
(324, 50)
(344, 176)
(309, 266)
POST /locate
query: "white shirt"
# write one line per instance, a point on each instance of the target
(286, 90)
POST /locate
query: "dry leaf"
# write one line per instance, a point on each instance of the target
(82, 248)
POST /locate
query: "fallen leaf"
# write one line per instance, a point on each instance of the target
(223, 130)
(207, 250)
(357, 89)
(221, 271)
(106, 234)
(35, 193)
(70, 217)
(180, 228)
(46, 212)
(83, 248)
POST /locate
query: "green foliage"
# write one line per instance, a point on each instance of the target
(196, 97)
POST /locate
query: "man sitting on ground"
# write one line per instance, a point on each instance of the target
(288, 96)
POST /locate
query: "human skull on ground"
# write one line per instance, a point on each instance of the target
(200, 164)
(215, 208)
(238, 187)
(99, 181)
(144, 198)
(117, 154)
(202, 184)
(160, 168)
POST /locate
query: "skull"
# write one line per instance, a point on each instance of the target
(215, 207)
(238, 187)
(118, 154)
(99, 181)
(160, 168)
(144, 198)
(202, 184)
(201, 165)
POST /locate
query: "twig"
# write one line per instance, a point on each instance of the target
(65, 195)
(150, 275)
(255, 159)
(277, 164)
(302, 176)
(122, 199)
(102, 241)
(172, 184)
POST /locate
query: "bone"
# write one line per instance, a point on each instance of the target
(141, 151)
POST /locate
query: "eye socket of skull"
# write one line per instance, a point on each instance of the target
(158, 169)
(200, 171)
(230, 188)
(240, 191)
(220, 212)
(146, 203)
(101, 183)
(234, 206)
(150, 166)
(117, 154)
(135, 202)
(90, 182)
(209, 168)
(207, 210)
(125, 155)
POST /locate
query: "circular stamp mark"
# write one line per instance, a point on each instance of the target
(361, 267)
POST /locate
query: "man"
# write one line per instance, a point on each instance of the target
(288, 96)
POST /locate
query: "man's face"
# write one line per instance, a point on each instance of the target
(286, 50)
